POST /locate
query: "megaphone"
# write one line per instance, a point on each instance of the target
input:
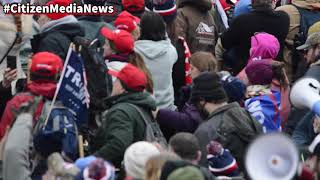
(305, 93)
(272, 156)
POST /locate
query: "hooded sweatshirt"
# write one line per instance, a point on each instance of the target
(56, 36)
(196, 25)
(159, 57)
(263, 46)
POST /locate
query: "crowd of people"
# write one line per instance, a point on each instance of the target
(178, 89)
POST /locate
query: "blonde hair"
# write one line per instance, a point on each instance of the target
(154, 165)
(204, 61)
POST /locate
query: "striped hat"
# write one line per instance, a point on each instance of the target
(221, 162)
(166, 8)
(99, 170)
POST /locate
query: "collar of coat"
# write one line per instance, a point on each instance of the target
(224, 108)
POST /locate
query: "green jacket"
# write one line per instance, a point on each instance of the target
(122, 125)
(233, 127)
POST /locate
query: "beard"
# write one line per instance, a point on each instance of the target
(204, 114)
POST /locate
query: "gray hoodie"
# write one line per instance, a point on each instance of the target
(16, 162)
(160, 57)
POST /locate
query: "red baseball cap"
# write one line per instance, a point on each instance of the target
(133, 5)
(46, 64)
(131, 76)
(55, 16)
(126, 21)
(121, 39)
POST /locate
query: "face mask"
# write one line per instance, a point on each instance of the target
(202, 111)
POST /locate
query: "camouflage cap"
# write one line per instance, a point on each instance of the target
(305, 4)
(314, 28)
(312, 40)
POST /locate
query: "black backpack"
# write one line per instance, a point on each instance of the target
(99, 82)
(307, 19)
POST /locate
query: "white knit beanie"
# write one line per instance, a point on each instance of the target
(136, 157)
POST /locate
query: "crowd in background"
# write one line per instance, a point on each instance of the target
(178, 89)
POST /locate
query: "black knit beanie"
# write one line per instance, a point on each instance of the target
(208, 87)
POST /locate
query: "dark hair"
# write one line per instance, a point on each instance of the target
(152, 27)
(136, 60)
(261, 4)
(186, 145)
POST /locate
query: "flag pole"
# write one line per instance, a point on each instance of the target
(71, 46)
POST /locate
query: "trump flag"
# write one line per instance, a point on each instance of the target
(72, 90)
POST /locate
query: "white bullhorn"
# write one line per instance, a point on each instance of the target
(272, 157)
(305, 93)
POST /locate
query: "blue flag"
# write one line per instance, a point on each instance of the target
(266, 110)
(73, 88)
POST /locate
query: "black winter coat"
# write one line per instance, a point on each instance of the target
(4, 98)
(243, 27)
(57, 39)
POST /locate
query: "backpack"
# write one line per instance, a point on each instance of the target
(99, 82)
(153, 132)
(307, 19)
(58, 134)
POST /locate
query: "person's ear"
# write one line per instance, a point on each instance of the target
(198, 156)
(202, 102)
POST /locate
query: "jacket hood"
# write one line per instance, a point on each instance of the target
(141, 99)
(202, 5)
(307, 4)
(68, 25)
(152, 49)
(45, 89)
(264, 46)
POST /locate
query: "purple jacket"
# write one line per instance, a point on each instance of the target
(187, 120)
